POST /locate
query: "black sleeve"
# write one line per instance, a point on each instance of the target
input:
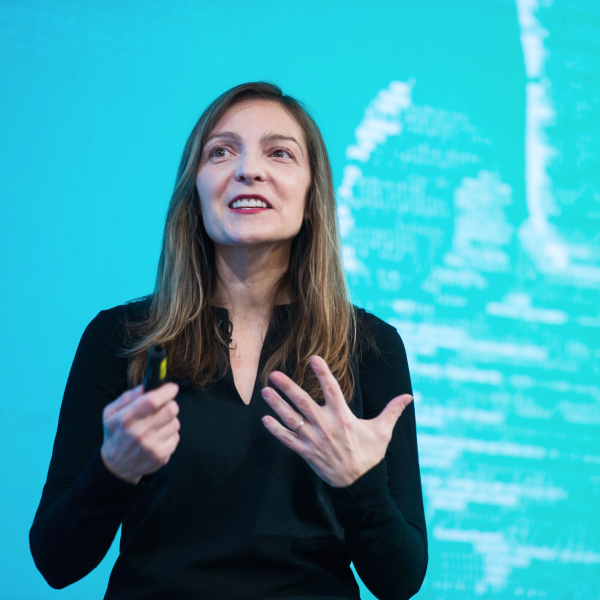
(382, 511)
(83, 503)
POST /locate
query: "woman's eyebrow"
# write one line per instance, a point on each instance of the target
(230, 135)
(271, 137)
(275, 137)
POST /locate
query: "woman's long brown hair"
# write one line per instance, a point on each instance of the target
(323, 319)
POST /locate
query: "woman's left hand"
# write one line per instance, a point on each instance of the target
(337, 445)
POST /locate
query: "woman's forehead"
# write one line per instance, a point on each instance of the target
(258, 117)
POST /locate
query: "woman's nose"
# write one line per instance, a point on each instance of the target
(249, 168)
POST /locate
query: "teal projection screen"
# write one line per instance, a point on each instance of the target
(464, 141)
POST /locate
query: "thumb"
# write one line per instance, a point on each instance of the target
(123, 400)
(394, 408)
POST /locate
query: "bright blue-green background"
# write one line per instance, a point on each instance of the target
(471, 225)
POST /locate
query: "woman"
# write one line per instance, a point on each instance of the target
(250, 291)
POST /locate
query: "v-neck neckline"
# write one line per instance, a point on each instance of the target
(272, 330)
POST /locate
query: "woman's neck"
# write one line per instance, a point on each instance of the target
(249, 275)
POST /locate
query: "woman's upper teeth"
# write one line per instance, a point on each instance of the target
(249, 203)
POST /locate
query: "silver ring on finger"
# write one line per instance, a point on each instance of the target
(299, 427)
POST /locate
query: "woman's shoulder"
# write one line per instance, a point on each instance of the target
(136, 309)
(379, 344)
(382, 333)
(112, 322)
(383, 363)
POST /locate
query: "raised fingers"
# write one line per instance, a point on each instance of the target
(331, 388)
(305, 404)
(288, 415)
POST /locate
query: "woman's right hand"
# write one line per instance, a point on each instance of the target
(141, 431)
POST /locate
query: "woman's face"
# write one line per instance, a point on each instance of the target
(256, 154)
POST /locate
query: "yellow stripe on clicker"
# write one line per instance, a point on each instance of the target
(163, 368)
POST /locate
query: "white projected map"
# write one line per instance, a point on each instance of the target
(500, 315)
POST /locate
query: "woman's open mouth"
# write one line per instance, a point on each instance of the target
(249, 204)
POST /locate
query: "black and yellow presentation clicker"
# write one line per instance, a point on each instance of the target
(156, 369)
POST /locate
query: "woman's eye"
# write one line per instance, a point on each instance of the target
(281, 153)
(218, 153)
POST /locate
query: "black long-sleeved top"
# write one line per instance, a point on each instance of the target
(234, 514)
